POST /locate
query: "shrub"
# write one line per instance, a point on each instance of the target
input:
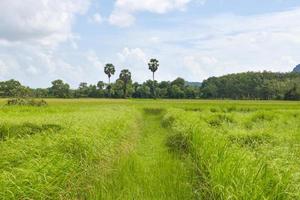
(218, 119)
(250, 141)
(26, 102)
(25, 129)
(153, 111)
(167, 121)
(262, 117)
(194, 109)
(178, 143)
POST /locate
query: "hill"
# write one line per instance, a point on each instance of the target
(195, 84)
(253, 85)
(297, 68)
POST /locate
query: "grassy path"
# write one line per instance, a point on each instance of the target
(150, 171)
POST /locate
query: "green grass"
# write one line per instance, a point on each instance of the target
(145, 149)
(243, 155)
(65, 163)
(149, 171)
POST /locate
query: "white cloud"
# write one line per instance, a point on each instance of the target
(34, 51)
(203, 66)
(155, 40)
(124, 10)
(31, 35)
(32, 70)
(3, 67)
(46, 22)
(94, 59)
(134, 59)
(121, 19)
(224, 44)
(230, 43)
(96, 18)
(201, 2)
(132, 54)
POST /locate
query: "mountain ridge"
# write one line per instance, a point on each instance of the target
(297, 69)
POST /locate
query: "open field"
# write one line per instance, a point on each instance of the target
(146, 149)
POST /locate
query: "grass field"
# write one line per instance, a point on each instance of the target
(146, 149)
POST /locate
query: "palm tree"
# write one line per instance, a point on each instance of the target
(153, 66)
(109, 70)
(125, 76)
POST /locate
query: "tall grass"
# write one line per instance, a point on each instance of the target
(117, 149)
(149, 170)
(241, 153)
(62, 160)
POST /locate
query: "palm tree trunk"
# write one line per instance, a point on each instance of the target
(153, 86)
(125, 91)
(153, 77)
(109, 88)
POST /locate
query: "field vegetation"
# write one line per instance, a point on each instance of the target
(146, 149)
(246, 86)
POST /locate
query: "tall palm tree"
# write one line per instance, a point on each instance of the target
(109, 70)
(153, 67)
(125, 76)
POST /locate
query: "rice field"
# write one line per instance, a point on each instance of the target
(150, 149)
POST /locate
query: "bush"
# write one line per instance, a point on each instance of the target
(25, 129)
(26, 102)
(153, 111)
(250, 141)
(178, 143)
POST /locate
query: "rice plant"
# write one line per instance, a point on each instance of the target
(145, 149)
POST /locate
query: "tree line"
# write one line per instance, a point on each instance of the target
(248, 85)
(123, 87)
(253, 85)
(177, 89)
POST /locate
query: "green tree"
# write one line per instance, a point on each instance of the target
(293, 93)
(100, 89)
(190, 92)
(10, 88)
(83, 90)
(125, 77)
(252, 85)
(135, 87)
(153, 67)
(60, 89)
(92, 91)
(176, 92)
(153, 87)
(180, 82)
(164, 89)
(109, 70)
(100, 85)
(117, 89)
(143, 91)
(41, 92)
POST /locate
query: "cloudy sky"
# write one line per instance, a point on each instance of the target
(43, 40)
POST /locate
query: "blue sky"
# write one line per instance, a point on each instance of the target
(44, 40)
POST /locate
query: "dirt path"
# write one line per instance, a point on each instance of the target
(150, 171)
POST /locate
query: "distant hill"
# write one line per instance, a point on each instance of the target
(196, 84)
(297, 68)
(253, 85)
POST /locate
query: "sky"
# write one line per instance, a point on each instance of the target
(72, 40)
